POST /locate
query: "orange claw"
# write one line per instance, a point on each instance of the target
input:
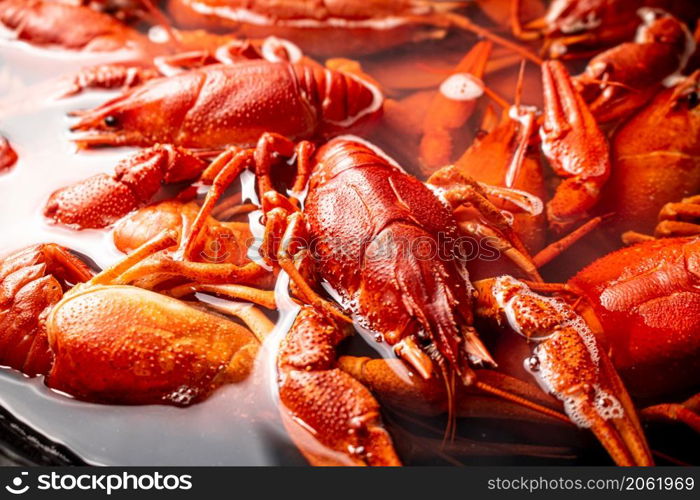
(575, 147)
(323, 404)
(452, 106)
(170, 353)
(570, 363)
(101, 200)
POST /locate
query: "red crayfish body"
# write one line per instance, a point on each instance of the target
(365, 212)
(221, 105)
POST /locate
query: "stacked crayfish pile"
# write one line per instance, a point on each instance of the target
(529, 264)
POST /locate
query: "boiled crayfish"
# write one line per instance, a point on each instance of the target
(173, 354)
(221, 105)
(327, 28)
(72, 27)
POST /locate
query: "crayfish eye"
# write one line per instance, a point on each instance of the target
(111, 121)
(693, 100)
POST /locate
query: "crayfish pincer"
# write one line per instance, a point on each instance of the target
(102, 199)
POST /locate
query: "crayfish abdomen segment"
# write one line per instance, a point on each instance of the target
(32, 281)
(342, 100)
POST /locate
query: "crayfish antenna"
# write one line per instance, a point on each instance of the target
(448, 377)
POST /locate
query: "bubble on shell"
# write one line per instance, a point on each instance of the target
(607, 405)
(183, 395)
(508, 293)
(532, 363)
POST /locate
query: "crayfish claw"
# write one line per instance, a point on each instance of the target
(569, 363)
(574, 146)
(322, 405)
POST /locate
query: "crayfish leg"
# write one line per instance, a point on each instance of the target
(687, 413)
(397, 385)
(472, 193)
(679, 219)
